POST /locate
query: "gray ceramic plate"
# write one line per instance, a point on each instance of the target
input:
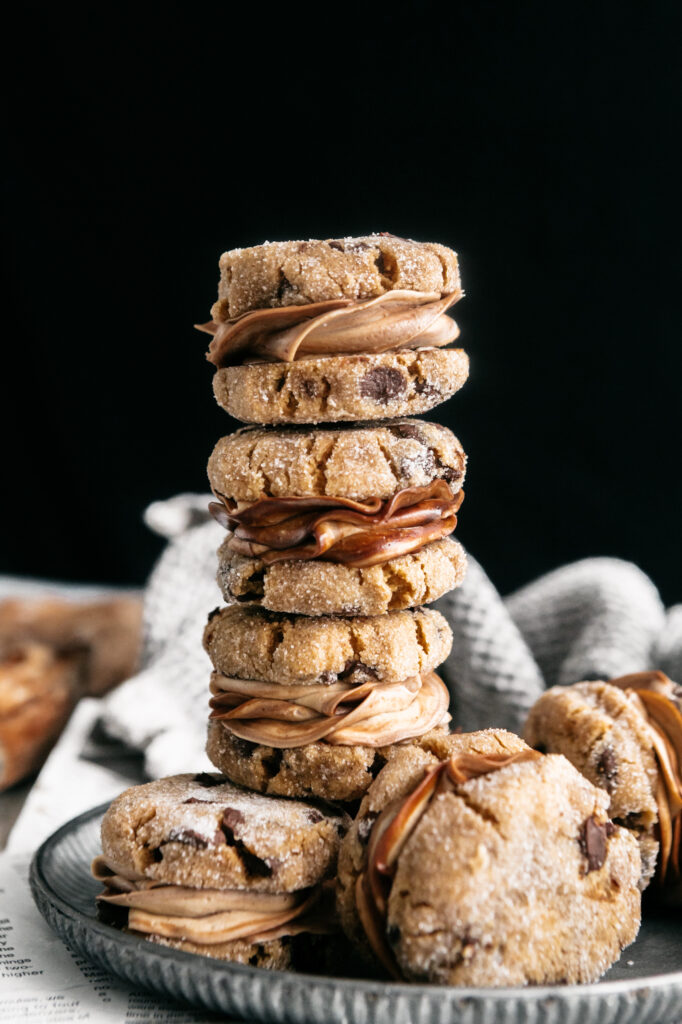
(645, 986)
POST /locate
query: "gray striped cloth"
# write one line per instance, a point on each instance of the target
(594, 619)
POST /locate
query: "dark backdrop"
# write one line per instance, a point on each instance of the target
(539, 140)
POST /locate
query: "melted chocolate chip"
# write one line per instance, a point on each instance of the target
(406, 430)
(244, 748)
(382, 384)
(233, 817)
(607, 769)
(272, 762)
(253, 864)
(428, 390)
(357, 671)
(188, 837)
(376, 765)
(206, 780)
(592, 840)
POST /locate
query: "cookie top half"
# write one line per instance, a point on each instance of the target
(203, 831)
(250, 643)
(358, 462)
(277, 274)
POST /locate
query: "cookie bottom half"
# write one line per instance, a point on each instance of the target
(335, 388)
(318, 587)
(319, 770)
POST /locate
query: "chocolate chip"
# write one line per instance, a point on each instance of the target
(365, 826)
(212, 615)
(406, 430)
(326, 678)
(592, 840)
(157, 854)
(314, 816)
(253, 864)
(208, 781)
(449, 474)
(309, 387)
(607, 769)
(196, 800)
(382, 384)
(334, 244)
(188, 837)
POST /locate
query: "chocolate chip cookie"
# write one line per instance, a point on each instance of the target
(198, 863)
(498, 866)
(332, 388)
(625, 736)
(277, 274)
(319, 587)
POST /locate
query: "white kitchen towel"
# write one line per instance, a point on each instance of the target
(594, 619)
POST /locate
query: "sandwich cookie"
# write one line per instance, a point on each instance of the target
(310, 512)
(496, 866)
(193, 862)
(343, 329)
(311, 706)
(626, 737)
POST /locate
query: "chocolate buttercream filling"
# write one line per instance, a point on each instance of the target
(372, 713)
(393, 828)
(396, 319)
(659, 701)
(354, 533)
(208, 916)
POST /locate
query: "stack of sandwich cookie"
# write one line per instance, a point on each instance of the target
(309, 706)
(337, 534)
(343, 329)
(625, 736)
(487, 864)
(200, 864)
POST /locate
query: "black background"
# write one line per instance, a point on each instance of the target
(539, 140)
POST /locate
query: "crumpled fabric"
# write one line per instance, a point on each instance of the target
(593, 619)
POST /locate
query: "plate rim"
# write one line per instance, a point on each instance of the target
(370, 988)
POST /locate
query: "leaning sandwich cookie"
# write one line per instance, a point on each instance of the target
(311, 706)
(311, 513)
(625, 736)
(197, 863)
(333, 330)
(491, 865)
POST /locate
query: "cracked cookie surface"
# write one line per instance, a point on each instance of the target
(326, 588)
(317, 770)
(295, 273)
(251, 643)
(333, 388)
(500, 881)
(596, 727)
(359, 462)
(202, 831)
